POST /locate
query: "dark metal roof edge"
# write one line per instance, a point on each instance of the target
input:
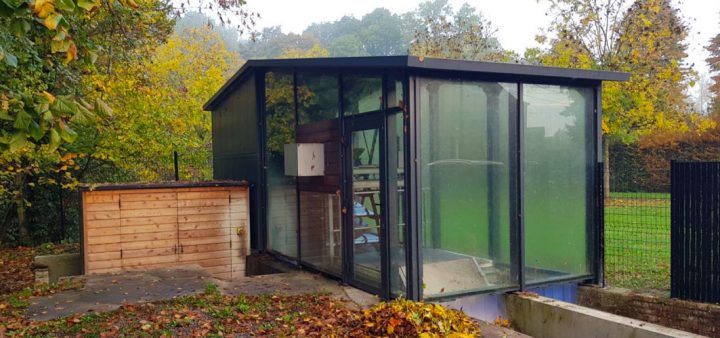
(514, 69)
(161, 185)
(394, 61)
(210, 104)
(405, 61)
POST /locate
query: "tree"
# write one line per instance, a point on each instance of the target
(464, 34)
(46, 48)
(230, 35)
(160, 111)
(271, 42)
(714, 63)
(644, 38)
(54, 58)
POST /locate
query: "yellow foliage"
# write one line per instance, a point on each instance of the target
(43, 8)
(402, 317)
(159, 106)
(316, 51)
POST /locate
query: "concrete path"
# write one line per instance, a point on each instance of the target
(109, 291)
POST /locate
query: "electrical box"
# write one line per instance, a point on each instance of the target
(305, 159)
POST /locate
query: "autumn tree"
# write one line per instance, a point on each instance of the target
(644, 38)
(160, 111)
(714, 63)
(464, 34)
(46, 48)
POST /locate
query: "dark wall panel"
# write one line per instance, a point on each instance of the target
(235, 144)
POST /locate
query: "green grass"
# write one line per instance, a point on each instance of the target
(637, 241)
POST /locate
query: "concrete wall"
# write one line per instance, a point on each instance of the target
(700, 318)
(544, 317)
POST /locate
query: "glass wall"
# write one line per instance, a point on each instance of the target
(361, 94)
(281, 189)
(465, 168)
(320, 209)
(317, 97)
(557, 164)
(320, 235)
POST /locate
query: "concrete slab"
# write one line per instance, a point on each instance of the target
(298, 282)
(109, 291)
(544, 317)
(61, 265)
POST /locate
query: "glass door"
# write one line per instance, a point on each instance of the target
(365, 206)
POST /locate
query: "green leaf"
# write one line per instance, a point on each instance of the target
(102, 109)
(47, 115)
(10, 59)
(13, 4)
(17, 142)
(67, 134)
(22, 120)
(65, 5)
(35, 131)
(59, 46)
(54, 140)
(19, 27)
(65, 105)
(87, 4)
(5, 10)
(5, 116)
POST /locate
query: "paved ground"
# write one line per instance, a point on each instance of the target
(108, 292)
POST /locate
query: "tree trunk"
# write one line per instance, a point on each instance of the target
(20, 209)
(606, 168)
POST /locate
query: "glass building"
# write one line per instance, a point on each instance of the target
(441, 178)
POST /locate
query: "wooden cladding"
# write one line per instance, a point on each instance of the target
(137, 228)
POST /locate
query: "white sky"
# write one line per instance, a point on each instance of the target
(517, 21)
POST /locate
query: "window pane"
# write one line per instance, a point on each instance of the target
(556, 165)
(317, 97)
(280, 130)
(395, 92)
(321, 244)
(465, 185)
(361, 94)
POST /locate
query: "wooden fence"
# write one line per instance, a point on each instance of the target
(695, 231)
(130, 227)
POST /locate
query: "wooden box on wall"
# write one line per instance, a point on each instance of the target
(135, 227)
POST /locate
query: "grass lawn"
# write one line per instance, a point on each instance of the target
(637, 240)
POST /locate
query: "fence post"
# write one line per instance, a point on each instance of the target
(175, 159)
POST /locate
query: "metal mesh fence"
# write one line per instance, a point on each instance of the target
(637, 240)
(637, 222)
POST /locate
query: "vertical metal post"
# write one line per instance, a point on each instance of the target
(414, 188)
(517, 191)
(175, 161)
(598, 226)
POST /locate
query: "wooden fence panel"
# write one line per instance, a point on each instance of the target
(695, 231)
(127, 228)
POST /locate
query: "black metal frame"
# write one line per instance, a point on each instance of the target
(410, 70)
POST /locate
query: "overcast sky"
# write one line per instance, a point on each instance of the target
(517, 21)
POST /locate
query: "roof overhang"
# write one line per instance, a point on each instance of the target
(416, 63)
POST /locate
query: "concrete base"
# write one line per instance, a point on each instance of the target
(544, 317)
(62, 265)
